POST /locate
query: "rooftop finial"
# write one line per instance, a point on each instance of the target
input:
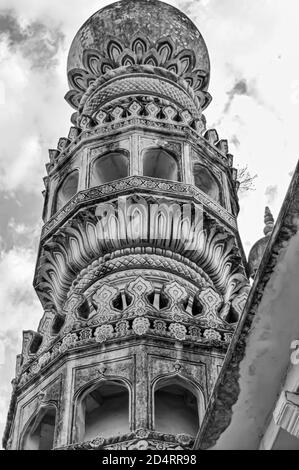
(269, 221)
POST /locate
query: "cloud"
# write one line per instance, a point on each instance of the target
(31, 78)
(20, 309)
(234, 140)
(18, 299)
(271, 193)
(38, 42)
(242, 87)
(10, 27)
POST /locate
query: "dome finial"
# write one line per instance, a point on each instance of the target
(257, 251)
(269, 221)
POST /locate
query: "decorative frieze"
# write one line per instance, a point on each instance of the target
(140, 184)
(134, 327)
(141, 439)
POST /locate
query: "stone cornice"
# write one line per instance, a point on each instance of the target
(124, 330)
(141, 439)
(140, 184)
(76, 140)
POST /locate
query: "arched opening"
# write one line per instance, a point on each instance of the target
(109, 168)
(158, 163)
(41, 431)
(67, 189)
(104, 411)
(177, 407)
(205, 181)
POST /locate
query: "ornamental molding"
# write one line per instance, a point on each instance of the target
(163, 269)
(160, 58)
(142, 84)
(77, 244)
(140, 183)
(141, 439)
(131, 328)
(90, 130)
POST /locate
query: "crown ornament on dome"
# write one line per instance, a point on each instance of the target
(143, 47)
(257, 251)
(269, 221)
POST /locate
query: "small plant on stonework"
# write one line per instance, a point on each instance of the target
(245, 179)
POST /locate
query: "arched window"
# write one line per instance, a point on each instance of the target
(104, 411)
(109, 168)
(205, 181)
(158, 163)
(178, 407)
(67, 189)
(41, 430)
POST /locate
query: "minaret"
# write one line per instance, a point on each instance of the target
(140, 269)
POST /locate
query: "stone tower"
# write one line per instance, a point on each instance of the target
(140, 269)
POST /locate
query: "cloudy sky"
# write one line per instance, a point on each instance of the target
(253, 47)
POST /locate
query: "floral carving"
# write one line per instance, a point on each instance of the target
(140, 325)
(164, 56)
(178, 331)
(97, 442)
(142, 433)
(139, 445)
(104, 332)
(85, 334)
(194, 332)
(212, 334)
(160, 327)
(183, 439)
(122, 328)
(68, 341)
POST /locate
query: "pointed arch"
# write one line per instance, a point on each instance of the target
(178, 405)
(159, 163)
(39, 433)
(206, 181)
(66, 190)
(102, 408)
(109, 167)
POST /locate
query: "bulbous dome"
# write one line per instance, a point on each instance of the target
(139, 37)
(127, 18)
